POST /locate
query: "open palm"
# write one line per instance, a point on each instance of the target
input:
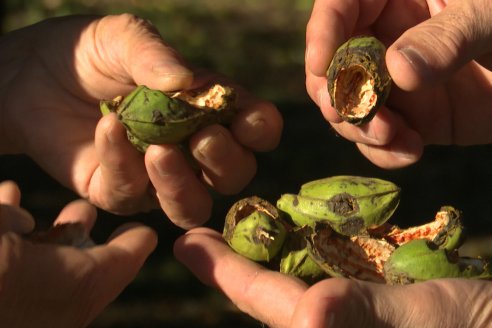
(283, 301)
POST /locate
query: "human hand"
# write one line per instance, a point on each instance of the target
(439, 56)
(53, 76)
(47, 285)
(283, 301)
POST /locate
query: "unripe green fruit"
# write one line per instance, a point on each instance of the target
(349, 204)
(154, 117)
(420, 260)
(254, 230)
(296, 260)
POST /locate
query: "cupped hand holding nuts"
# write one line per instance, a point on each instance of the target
(283, 301)
(338, 227)
(396, 277)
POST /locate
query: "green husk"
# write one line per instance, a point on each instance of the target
(421, 259)
(340, 229)
(349, 204)
(296, 260)
(254, 229)
(154, 117)
(358, 80)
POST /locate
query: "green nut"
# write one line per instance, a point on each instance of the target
(154, 117)
(450, 237)
(296, 260)
(349, 204)
(254, 229)
(421, 259)
(358, 80)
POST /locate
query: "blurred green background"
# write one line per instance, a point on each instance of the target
(260, 44)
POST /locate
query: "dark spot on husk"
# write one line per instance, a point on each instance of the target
(343, 204)
(157, 117)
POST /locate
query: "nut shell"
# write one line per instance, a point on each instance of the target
(358, 80)
(154, 117)
(254, 229)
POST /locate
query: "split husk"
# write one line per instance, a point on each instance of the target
(377, 251)
(358, 79)
(154, 117)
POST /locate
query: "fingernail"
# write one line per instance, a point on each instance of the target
(110, 136)
(16, 219)
(307, 57)
(322, 98)
(166, 161)
(256, 128)
(329, 320)
(113, 136)
(171, 68)
(215, 147)
(408, 148)
(369, 134)
(416, 60)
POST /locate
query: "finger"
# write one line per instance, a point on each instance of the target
(318, 91)
(121, 258)
(331, 23)
(381, 130)
(10, 193)
(79, 211)
(12, 217)
(432, 51)
(405, 149)
(349, 303)
(141, 53)
(15, 219)
(266, 295)
(227, 166)
(182, 196)
(120, 183)
(258, 125)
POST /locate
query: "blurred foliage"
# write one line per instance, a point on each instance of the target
(257, 43)
(260, 44)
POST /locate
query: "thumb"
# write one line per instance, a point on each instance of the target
(432, 51)
(141, 51)
(349, 303)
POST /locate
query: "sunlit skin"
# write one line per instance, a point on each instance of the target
(53, 75)
(446, 102)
